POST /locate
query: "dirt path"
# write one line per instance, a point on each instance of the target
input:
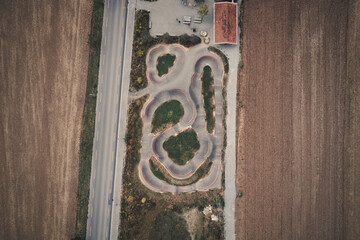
(291, 128)
(43, 64)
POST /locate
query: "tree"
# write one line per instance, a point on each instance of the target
(147, 39)
(184, 40)
(203, 10)
(167, 38)
(195, 39)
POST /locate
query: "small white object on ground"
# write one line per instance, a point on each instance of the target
(214, 218)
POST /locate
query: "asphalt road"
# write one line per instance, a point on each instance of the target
(107, 118)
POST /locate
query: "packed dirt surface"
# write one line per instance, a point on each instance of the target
(291, 128)
(43, 62)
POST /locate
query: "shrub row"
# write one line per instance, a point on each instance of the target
(222, 56)
(208, 95)
(132, 204)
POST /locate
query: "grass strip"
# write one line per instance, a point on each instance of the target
(131, 200)
(88, 128)
(208, 95)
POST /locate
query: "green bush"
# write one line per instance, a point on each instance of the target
(167, 113)
(189, 41)
(182, 147)
(164, 63)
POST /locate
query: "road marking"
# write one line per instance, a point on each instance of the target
(105, 41)
(107, 19)
(95, 155)
(92, 196)
(100, 97)
(90, 232)
(99, 117)
(92, 210)
(97, 135)
(94, 173)
(112, 156)
(108, 213)
(114, 138)
(123, 23)
(104, 59)
(120, 60)
(102, 78)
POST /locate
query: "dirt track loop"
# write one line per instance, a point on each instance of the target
(182, 83)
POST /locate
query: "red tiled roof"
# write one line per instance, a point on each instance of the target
(225, 22)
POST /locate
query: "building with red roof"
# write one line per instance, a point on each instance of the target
(225, 23)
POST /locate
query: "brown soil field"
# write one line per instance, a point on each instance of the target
(298, 182)
(352, 127)
(43, 72)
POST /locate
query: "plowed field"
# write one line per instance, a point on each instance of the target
(291, 128)
(43, 70)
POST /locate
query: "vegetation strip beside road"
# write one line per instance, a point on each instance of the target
(130, 201)
(143, 41)
(208, 94)
(167, 113)
(87, 135)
